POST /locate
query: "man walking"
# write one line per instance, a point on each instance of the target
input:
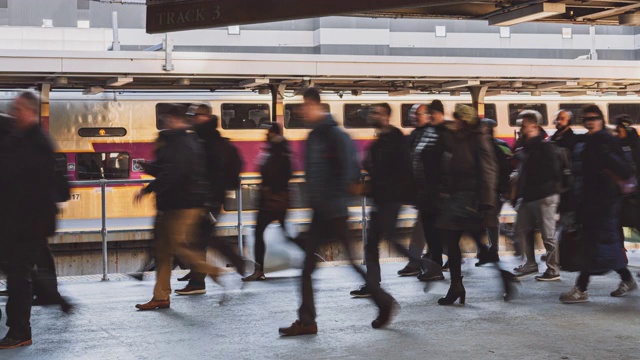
(331, 166)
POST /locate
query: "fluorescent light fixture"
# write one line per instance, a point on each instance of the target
(529, 13)
(119, 81)
(233, 30)
(253, 82)
(93, 90)
(403, 92)
(556, 84)
(457, 84)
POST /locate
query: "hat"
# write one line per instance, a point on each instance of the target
(465, 113)
(489, 122)
(436, 105)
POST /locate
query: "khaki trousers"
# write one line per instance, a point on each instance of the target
(176, 232)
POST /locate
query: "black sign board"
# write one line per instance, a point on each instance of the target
(200, 14)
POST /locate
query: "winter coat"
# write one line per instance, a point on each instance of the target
(330, 166)
(179, 171)
(276, 172)
(567, 140)
(599, 202)
(472, 174)
(540, 175)
(211, 142)
(429, 147)
(27, 180)
(389, 166)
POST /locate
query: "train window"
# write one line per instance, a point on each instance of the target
(108, 165)
(405, 122)
(293, 117)
(161, 109)
(61, 163)
(516, 109)
(576, 110)
(490, 111)
(355, 115)
(633, 110)
(245, 116)
(102, 132)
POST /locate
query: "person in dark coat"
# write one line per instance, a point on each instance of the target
(276, 171)
(205, 126)
(331, 165)
(471, 186)
(598, 201)
(27, 212)
(391, 185)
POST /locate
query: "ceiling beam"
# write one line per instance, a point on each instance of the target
(608, 13)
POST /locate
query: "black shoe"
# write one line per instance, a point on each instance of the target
(445, 267)
(186, 277)
(409, 271)
(430, 276)
(487, 258)
(548, 277)
(362, 292)
(385, 314)
(456, 291)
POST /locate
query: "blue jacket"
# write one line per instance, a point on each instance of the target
(331, 164)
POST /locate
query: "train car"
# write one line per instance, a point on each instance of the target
(108, 135)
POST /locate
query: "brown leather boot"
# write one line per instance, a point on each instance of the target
(154, 304)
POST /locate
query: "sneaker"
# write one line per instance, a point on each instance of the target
(10, 343)
(409, 271)
(192, 290)
(362, 292)
(297, 328)
(624, 288)
(574, 296)
(430, 276)
(547, 277)
(256, 276)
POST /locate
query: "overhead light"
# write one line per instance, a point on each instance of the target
(556, 84)
(264, 91)
(403, 92)
(622, 93)
(253, 82)
(457, 84)
(454, 93)
(93, 90)
(356, 92)
(183, 82)
(603, 85)
(119, 81)
(536, 93)
(516, 84)
(60, 81)
(529, 13)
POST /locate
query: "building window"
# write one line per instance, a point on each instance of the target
(107, 165)
(245, 116)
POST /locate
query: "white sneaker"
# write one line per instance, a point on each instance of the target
(574, 296)
(624, 288)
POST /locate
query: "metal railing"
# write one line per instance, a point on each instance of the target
(104, 183)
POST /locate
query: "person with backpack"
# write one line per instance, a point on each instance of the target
(538, 188)
(276, 171)
(391, 185)
(331, 166)
(219, 162)
(601, 183)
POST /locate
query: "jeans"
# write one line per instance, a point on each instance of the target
(324, 229)
(539, 214)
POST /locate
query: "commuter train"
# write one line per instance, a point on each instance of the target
(109, 134)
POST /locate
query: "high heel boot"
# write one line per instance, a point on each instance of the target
(456, 290)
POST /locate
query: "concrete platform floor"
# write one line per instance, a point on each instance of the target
(536, 325)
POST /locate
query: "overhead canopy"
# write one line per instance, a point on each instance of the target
(175, 15)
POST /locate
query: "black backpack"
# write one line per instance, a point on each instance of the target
(231, 165)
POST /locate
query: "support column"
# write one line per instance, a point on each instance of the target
(44, 90)
(277, 106)
(477, 98)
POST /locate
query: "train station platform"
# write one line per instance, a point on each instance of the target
(105, 324)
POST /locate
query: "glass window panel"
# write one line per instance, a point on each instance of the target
(293, 117)
(516, 109)
(245, 116)
(95, 166)
(633, 110)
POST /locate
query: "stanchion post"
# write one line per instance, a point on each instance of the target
(240, 226)
(103, 231)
